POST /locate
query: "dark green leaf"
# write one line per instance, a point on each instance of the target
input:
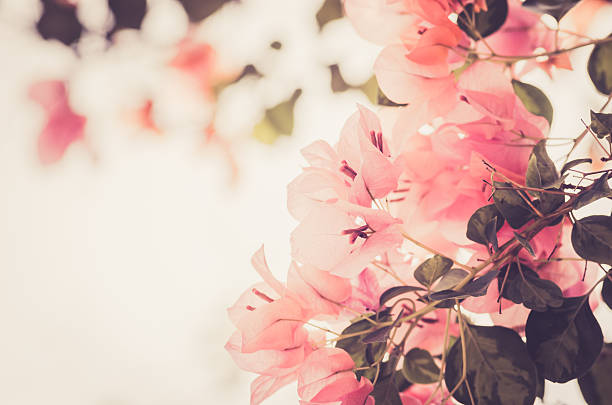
(356, 347)
(382, 99)
(601, 124)
(395, 291)
(485, 23)
(491, 232)
(329, 11)
(379, 335)
(478, 287)
(599, 190)
(592, 238)
(386, 390)
(197, 10)
(498, 370)
(512, 206)
(528, 289)
(476, 229)
(606, 291)
(541, 171)
(534, 100)
(432, 269)
(575, 162)
(419, 367)
(564, 342)
(600, 67)
(450, 279)
(556, 8)
(59, 21)
(542, 174)
(540, 387)
(524, 243)
(595, 384)
(475, 288)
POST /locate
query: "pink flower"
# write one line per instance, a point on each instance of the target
(265, 316)
(359, 169)
(63, 126)
(429, 331)
(343, 238)
(327, 377)
(197, 61)
(523, 33)
(418, 394)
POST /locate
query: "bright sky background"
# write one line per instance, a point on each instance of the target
(115, 271)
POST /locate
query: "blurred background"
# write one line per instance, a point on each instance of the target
(144, 156)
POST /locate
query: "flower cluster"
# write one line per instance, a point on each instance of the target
(382, 264)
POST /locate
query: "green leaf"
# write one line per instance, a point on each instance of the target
(370, 89)
(432, 269)
(450, 279)
(197, 10)
(498, 370)
(540, 387)
(575, 162)
(485, 22)
(601, 124)
(606, 292)
(592, 238)
(524, 243)
(565, 341)
(476, 229)
(542, 174)
(528, 289)
(475, 288)
(329, 11)
(534, 100)
(419, 367)
(386, 390)
(277, 121)
(382, 99)
(595, 384)
(541, 171)
(599, 190)
(600, 67)
(396, 291)
(363, 354)
(556, 8)
(509, 202)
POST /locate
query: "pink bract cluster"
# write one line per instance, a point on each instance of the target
(417, 176)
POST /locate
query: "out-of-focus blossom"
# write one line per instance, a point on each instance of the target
(63, 126)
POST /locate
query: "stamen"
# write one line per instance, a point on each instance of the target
(356, 233)
(250, 308)
(262, 295)
(373, 138)
(380, 142)
(346, 169)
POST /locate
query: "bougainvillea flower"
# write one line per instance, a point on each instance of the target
(327, 377)
(63, 126)
(360, 168)
(343, 238)
(197, 61)
(419, 394)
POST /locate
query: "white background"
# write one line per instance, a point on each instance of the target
(117, 265)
